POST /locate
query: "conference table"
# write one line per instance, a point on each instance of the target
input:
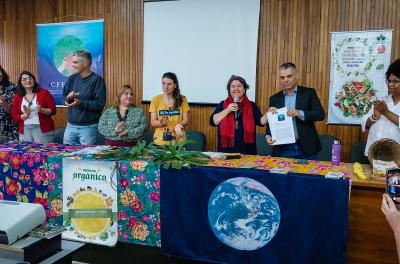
(371, 239)
(31, 172)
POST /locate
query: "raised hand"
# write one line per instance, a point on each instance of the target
(68, 64)
(233, 107)
(269, 140)
(380, 106)
(74, 103)
(71, 96)
(293, 112)
(27, 110)
(3, 102)
(377, 114)
(120, 127)
(391, 213)
(178, 130)
(272, 109)
(123, 134)
(163, 120)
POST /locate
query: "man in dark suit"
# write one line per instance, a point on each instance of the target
(305, 108)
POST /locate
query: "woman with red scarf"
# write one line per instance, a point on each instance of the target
(236, 118)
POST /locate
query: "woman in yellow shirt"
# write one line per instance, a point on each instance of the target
(169, 112)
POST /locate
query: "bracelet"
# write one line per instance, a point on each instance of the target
(372, 118)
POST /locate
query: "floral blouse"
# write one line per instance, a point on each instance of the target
(8, 128)
(136, 123)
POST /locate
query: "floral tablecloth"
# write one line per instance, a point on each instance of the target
(314, 167)
(24, 172)
(31, 172)
(138, 187)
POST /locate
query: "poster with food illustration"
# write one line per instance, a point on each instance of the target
(359, 61)
(90, 201)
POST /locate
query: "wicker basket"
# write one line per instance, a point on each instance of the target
(385, 149)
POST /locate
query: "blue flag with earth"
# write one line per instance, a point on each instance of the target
(226, 215)
(57, 41)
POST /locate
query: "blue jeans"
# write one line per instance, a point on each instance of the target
(33, 133)
(294, 151)
(80, 135)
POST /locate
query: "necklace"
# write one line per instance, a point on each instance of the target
(239, 113)
(125, 114)
(30, 102)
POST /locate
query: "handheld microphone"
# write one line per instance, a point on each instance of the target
(236, 100)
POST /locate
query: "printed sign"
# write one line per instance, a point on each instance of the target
(90, 201)
(359, 61)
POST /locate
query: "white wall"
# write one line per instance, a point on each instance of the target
(204, 42)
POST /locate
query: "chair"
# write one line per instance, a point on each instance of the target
(199, 138)
(148, 136)
(59, 135)
(357, 153)
(326, 143)
(263, 148)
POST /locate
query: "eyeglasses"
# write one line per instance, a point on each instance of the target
(394, 82)
(26, 79)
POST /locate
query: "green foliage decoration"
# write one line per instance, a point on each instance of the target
(173, 155)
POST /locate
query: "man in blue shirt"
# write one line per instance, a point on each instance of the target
(305, 108)
(85, 96)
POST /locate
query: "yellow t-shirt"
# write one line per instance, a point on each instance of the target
(164, 135)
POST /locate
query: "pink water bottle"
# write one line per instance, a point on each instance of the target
(336, 150)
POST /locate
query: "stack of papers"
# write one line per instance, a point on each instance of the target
(46, 230)
(215, 155)
(334, 175)
(92, 150)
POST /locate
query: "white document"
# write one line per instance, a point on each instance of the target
(281, 126)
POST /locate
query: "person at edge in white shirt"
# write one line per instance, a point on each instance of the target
(383, 118)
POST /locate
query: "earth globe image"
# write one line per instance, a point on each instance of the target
(62, 54)
(243, 213)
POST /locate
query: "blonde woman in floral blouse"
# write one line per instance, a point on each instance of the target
(8, 129)
(123, 124)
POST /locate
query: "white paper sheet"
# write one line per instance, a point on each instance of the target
(281, 127)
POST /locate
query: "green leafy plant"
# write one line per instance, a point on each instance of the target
(173, 155)
(140, 150)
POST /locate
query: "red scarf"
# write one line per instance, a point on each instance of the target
(227, 127)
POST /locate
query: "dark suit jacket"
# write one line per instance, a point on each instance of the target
(307, 101)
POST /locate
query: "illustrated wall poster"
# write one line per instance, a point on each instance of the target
(90, 201)
(359, 61)
(57, 41)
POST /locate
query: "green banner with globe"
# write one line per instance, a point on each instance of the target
(57, 42)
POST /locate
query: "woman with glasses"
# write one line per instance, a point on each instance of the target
(8, 129)
(383, 118)
(236, 118)
(32, 109)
